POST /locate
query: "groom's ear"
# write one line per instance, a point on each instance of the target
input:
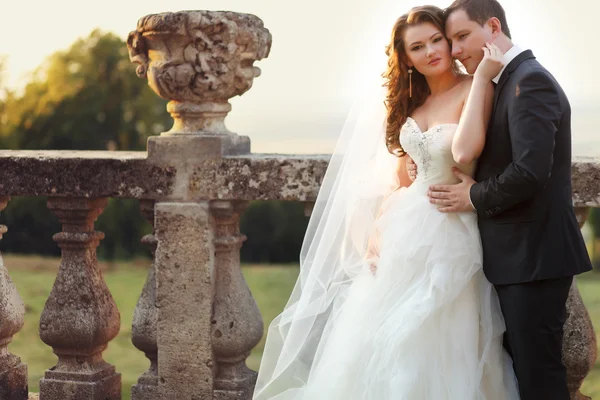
(495, 26)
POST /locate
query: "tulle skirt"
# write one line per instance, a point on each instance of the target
(425, 325)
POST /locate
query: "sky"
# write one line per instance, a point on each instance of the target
(323, 52)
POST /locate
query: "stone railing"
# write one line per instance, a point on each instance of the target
(196, 320)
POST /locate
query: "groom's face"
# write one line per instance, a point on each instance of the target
(467, 38)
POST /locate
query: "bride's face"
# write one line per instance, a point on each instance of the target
(427, 50)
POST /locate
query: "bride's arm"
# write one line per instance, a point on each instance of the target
(469, 138)
(402, 170)
(372, 253)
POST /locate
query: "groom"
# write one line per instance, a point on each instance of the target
(532, 245)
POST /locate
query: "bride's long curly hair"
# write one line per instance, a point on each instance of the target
(398, 103)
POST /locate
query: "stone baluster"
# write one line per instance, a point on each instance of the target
(143, 334)
(579, 344)
(13, 373)
(80, 316)
(237, 324)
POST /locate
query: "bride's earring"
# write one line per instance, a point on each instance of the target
(410, 71)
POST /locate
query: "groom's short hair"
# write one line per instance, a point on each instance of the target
(481, 11)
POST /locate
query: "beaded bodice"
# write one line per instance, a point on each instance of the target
(432, 152)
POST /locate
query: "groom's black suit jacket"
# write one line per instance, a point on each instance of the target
(523, 197)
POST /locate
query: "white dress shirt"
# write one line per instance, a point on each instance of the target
(510, 55)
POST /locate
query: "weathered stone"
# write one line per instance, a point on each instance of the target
(80, 316)
(105, 386)
(579, 343)
(228, 175)
(13, 373)
(199, 60)
(237, 324)
(83, 174)
(207, 170)
(145, 317)
(585, 172)
(190, 150)
(13, 378)
(184, 295)
(183, 153)
(259, 177)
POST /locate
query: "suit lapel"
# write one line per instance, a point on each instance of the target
(510, 68)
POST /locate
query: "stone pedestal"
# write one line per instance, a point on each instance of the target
(184, 297)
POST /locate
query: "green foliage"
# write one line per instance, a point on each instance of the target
(88, 97)
(30, 227)
(275, 230)
(594, 222)
(85, 98)
(4, 93)
(124, 228)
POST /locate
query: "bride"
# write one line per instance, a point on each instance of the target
(391, 301)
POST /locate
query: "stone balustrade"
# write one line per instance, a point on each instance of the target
(196, 320)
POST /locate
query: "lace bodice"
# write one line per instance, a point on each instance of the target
(431, 151)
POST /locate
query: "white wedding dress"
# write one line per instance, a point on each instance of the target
(426, 325)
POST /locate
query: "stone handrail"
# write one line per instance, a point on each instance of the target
(196, 320)
(252, 176)
(137, 175)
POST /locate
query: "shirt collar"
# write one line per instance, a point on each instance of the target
(510, 55)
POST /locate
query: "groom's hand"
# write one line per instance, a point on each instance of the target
(453, 198)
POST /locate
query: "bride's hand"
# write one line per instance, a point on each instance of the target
(411, 167)
(492, 64)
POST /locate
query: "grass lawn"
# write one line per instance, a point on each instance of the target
(270, 286)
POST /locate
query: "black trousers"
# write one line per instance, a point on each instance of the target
(535, 313)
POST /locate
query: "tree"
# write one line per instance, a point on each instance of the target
(275, 231)
(4, 93)
(87, 97)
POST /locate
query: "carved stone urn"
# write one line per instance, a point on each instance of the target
(199, 60)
